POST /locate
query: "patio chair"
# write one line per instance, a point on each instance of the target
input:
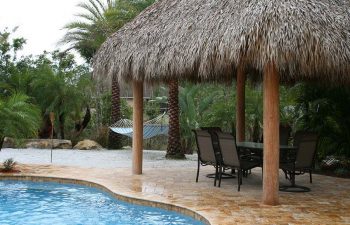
(284, 134)
(301, 162)
(206, 153)
(231, 158)
(298, 136)
(218, 153)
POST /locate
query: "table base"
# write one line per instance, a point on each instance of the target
(294, 188)
(224, 176)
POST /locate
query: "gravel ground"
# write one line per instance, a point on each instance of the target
(94, 158)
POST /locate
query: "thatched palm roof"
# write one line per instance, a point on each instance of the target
(207, 39)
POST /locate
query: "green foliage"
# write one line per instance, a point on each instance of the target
(18, 117)
(221, 109)
(287, 106)
(254, 112)
(325, 110)
(9, 164)
(101, 119)
(195, 102)
(57, 84)
(104, 102)
(342, 172)
(157, 104)
(152, 109)
(60, 85)
(8, 55)
(53, 81)
(98, 20)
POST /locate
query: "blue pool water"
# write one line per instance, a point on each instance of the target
(46, 203)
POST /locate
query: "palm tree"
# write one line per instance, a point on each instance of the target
(114, 139)
(174, 149)
(99, 20)
(18, 117)
(90, 31)
(59, 87)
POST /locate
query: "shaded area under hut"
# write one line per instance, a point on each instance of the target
(270, 41)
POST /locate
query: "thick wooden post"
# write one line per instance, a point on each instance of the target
(137, 139)
(271, 135)
(240, 105)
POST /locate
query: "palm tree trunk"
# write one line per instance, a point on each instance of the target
(174, 147)
(46, 129)
(114, 139)
(61, 124)
(81, 125)
(1, 142)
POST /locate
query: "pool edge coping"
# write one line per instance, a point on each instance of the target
(129, 199)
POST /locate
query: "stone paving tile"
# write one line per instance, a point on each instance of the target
(327, 203)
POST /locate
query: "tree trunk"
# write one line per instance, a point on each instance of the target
(81, 125)
(46, 129)
(61, 124)
(174, 147)
(1, 142)
(114, 139)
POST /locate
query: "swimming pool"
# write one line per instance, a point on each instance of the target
(49, 203)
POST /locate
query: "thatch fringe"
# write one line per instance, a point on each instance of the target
(206, 40)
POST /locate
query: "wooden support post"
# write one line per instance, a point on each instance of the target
(137, 139)
(271, 135)
(240, 105)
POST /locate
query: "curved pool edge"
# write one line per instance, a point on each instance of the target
(125, 198)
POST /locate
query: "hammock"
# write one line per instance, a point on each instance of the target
(151, 128)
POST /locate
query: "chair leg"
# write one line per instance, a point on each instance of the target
(216, 174)
(220, 175)
(239, 172)
(198, 171)
(292, 178)
(310, 172)
(247, 172)
(241, 177)
(285, 174)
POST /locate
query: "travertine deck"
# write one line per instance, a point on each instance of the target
(327, 203)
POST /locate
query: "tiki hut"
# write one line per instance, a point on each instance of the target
(269, 40)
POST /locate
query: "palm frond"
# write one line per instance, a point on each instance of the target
(90, 9)
(19, 118)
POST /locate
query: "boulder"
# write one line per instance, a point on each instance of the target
(88, 145)
(9, 143)
(48, 143)
(62, 144)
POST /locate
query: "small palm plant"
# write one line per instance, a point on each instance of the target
(18, 117)
(8, 164)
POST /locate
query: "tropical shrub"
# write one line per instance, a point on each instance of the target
(325, 110)
(9, 164)
(192, 106)
(18, 117)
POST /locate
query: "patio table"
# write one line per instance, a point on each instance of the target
(258, 148)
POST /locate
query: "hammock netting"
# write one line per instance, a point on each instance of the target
(151, 128)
